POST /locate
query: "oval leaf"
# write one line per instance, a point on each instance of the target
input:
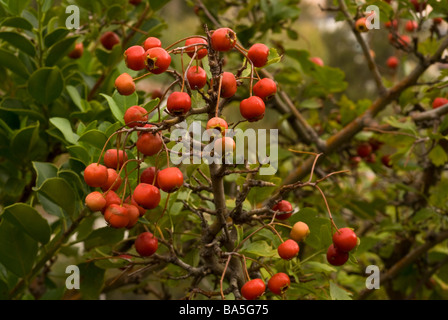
(46, 85)
(28, 220)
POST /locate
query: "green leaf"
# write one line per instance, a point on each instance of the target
(95, 138)
(15, 7)
(58, 191)
(92, 280)
(11, 62)
(117, 111)
(109, 58)
(315, 267)
(76, 98)
(55, 36)
(17, 249)
(81, 153)
(438, 156)
(19, 41)
(44, 171)
(103, 236)
(260, 248)
(59, 51)
(157, 4)
(28, 220)
(338, 293)
(46, 85)
(17, 22)
(24, 140)
(66, 128)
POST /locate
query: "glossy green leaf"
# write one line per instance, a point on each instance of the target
(13, 63)
(16, 7)
(59, 51)
(19, 41)
(65, 127)
(46, 85)
(95, 138)
(55, 36)
(28, 220)
(44, 171)
(92, 279)
(103, 236)
(17, 22)
(61, 193)
(24, 140)
(17, 249)
(117, 110)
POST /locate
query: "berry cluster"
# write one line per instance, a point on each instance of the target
(124, 211)
(344, 241)
(287, 250)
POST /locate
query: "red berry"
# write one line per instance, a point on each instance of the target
(258, 54)
(392, 62)
(95, 201)
(134, 115)
(364, 150)
(135, 58)
(345, 239)
(95, 175)
(170, 179)
(279, 283)
(114, 158)
(253, 289)
(152, 42)
(116, 216)
(133, 215)
(284, 209)
(217, 123)
(157, 60)
(149, 176)
(288, 249)
(228, 85)
(147, 196)
(125, 84)
(411, 26)
(109, 39)
(178, 103)
(336, 257)
(149, 143)
(130, 200)
(438, 102)
(361, 25)
(77, 52)
(111, 198)
(252, 109)
(391, 24)
(385, 160)
(113, 180)
(135, 2)
(223, 39)
(265, 88)
(197, 78)
(146, 244)
(202, 50)
(317, 60)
